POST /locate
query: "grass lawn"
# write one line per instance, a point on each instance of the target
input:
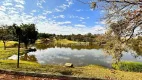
(4, 54)
(9, 43)
(86, 71)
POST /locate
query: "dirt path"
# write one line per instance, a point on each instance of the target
(17, 77)
(13, 75)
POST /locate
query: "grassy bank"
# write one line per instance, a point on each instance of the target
(128, 66)
(4, 54)
(86, 71)
(8, 44)
(65, 41)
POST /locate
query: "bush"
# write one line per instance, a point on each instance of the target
(128, 66)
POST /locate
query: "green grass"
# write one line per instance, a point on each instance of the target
(128, 66)
(4, 54)
(8, 44)
(65, 41)
(91, 71)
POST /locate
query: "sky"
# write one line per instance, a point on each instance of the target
(53, 16)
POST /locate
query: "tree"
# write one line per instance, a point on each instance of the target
(29, 34)
(17, 32)
(5, 34)
(129, 11)
(25, 33)
(123, 18)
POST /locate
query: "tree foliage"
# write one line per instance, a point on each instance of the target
(124, 21)
(129, 11)
(5, 34)
(28, 33)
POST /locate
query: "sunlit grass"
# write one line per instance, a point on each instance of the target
(38, 41)
(128, 66)
(8, 43)
(65, 41)
(4, 54)
(91, 71)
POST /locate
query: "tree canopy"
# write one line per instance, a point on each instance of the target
(117, 11)
(27, 32)
(123, 19)
(5, 34)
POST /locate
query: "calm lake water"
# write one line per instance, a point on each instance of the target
(79, 55)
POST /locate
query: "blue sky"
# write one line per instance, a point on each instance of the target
(53, 16)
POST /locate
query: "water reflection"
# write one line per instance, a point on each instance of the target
(79, 55)
(71, 46)
(28, 57)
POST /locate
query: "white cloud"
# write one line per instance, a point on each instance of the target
(82, 18)
(66, 22)
(83, 22)
(41, 17)
(80, 25)
(40, 2)
(20, 1)
(19, 6)
(13, 12)
(72, 16)
(11, 8)
(58, 10)
(60, 16)
(34, 11)
(47, 12)
(63, 7)
(103, 22)
(79, 10)
(88, 17)
(102, 11)
(8, 4)
(2, 8)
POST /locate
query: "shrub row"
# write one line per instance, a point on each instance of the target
(128, 66)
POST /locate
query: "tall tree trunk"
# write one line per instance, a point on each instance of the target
(4, 45)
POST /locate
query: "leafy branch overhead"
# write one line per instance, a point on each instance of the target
(124, 15)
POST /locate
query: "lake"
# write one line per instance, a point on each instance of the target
(79, 55)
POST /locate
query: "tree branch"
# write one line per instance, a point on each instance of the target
(133, 30)
(124, 1)
(112, 1)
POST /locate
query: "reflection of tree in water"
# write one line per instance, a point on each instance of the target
(115, 49)
(27, 57)
(72, 46)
